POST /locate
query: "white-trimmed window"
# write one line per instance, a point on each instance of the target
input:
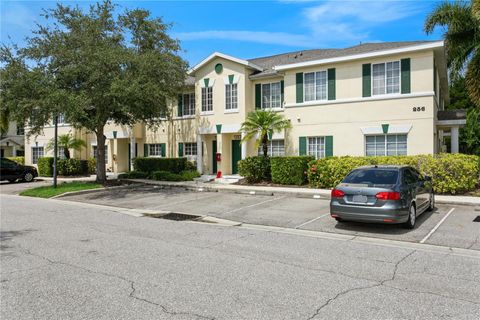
(231, 96)
(95, 153)
(61, 153)
(316, 147)
(276, 148)
(207, 99)
(61, 118)
(37, 153)
(386, 78)
(386, 145)
(188, 104)
(190, 148)
(154, 150)
(315, 86)
(271, 95)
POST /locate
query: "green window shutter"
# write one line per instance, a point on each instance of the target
(145, 149)
(163, 149)
(299, 83)
(405, 75)
(180, 149)
(258, 96)
(282, 90)
(367, 80)
(329, 146)
(331, 84)
(180, 106)
(302, 146)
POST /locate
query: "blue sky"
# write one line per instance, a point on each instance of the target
(249, 29)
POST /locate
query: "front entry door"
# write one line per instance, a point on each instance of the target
(236, 155)
(214, 156)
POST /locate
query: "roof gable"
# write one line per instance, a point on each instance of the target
(226, 57)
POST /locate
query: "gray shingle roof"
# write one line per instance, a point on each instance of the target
(316, 54)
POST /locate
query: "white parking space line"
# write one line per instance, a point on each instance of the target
(436, 226)
(310, 221)
(253, 205)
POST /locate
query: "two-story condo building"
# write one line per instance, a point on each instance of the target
(368, 100)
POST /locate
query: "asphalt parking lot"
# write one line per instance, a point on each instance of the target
(447, 225)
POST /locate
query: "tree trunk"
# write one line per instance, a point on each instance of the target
(101, 169)
(265, 145)
(66, 153)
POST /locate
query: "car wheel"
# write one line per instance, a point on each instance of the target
(28, 177)
(432, 202)
(412, 217)
(12, 180)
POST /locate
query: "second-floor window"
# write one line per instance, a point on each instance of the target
(207, 99)
(20, 130)
(386, 78)
(271, 95)
(188, 104)
(231, 95)
(315, 85)
(61, 118)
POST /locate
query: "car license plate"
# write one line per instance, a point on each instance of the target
(359, 198)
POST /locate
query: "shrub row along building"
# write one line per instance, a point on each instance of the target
(371, 99)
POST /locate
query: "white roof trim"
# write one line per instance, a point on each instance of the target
(224, 56)
(433, 45)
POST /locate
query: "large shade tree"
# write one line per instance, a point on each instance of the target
(93, 66)
(461, 21)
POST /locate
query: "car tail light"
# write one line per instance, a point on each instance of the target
(388, 196)
(337, 193)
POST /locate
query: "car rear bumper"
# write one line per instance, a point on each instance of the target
(392, 214)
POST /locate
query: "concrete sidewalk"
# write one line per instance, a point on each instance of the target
(292, 191)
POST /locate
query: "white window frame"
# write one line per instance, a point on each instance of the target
(191, 105)
(271, 96)
(231, 97)
(319, 142)
(190, 149)
(315, 85)
(156, 148)
(60, 153)
(207, 99)
(385, 145)
(385, 78)
(36, 154)
(274, 148)
(61, 118)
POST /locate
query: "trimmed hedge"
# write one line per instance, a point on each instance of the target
(133, 175)
(290, 170)
(451, 173)
(149, 165)
(255, 169)
(45, 166)
(19, 160)
(69, 167)
(92, 165)
(187, 175)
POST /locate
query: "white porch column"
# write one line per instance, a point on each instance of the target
(132, 147)
(244, 147)
(454, 140)
(199, 154)
(14, 150)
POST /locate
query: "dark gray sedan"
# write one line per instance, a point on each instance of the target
(384, 194)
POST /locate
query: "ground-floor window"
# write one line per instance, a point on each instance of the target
(155, 150)
(386, 145)
(190, 148)
(60, 153)
(95, 153)
(37, 152)
(316, 147)
(276, 148)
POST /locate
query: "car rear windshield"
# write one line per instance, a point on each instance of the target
(372, 176)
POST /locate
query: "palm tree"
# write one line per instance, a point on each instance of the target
(261, 124)
(462, 40)
(67, 142)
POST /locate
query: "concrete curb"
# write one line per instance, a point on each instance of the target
(322, 194)
(87, 191)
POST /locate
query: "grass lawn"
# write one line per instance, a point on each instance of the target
(50, 191)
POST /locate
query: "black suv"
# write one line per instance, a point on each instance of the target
(11, 171)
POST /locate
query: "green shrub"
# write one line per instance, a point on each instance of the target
(133, 175)
(189, 175)
(255, 169)
(19, 160)
(92, 165)
(190, 166)
(45, 166)
(451, 173)
(69, 167)
(290, 170)
(149, 165)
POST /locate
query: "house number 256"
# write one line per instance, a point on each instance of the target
(418, 109)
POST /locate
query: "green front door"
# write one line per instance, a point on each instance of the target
(214, 156)
(236, 155)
